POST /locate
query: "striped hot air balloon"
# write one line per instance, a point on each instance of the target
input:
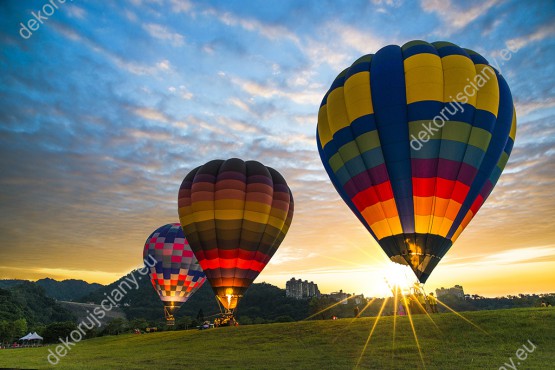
(176, 274)
(235, 215)
(414, 139)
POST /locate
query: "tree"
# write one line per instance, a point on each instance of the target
(116, 326)
(140, 324)
(6, 331)
(284, 318)
(184, 323)
(244, 320)
(321, 308)
(200, 315)
(58, 330)
(20, 328)
(259, 320)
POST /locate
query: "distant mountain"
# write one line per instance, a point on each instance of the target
(262, 301)
(29, 301)
(67, 290)
(8, 283)
(141, 301)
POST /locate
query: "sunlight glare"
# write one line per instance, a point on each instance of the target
(400, 276)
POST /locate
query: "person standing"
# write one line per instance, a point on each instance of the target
(432, 301)
(422, 302)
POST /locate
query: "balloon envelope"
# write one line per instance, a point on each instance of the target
(235, 215)
(175, 273)
(414, 139)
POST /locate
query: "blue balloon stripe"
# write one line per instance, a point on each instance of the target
(387, 83)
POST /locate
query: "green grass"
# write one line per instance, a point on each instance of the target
(453, 344)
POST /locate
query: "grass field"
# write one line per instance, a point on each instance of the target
(450, 343)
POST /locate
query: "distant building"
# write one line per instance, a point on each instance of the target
(299, 289)
(358, 298)
(456, 291)
(340, 296)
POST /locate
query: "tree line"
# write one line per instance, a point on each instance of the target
(26, 307)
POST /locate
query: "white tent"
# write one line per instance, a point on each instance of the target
(34, 336)
(26, 337)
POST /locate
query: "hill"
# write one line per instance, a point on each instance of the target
(29, 301)
(65, 290)
(10, 283)
(518, 336)
(262, 302)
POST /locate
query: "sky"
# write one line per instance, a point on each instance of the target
(106, 106)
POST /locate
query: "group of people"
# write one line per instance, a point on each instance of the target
(225, 320)
(417, 303)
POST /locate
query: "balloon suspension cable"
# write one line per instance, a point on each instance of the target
(220, 306)
(170, 319)
(224, 311)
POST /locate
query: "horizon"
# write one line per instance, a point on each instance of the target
(107, 107)
(284, 288)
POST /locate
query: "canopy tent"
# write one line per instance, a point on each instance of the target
(31, 339)
(35, 336)
(27, 336)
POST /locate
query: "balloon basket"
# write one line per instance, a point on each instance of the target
(170, 320)
(226, 319)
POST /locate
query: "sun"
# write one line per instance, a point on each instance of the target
(399, 277)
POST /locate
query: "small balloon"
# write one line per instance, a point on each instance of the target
(174, 270)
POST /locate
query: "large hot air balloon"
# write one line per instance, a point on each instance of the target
(414, 139)
(176, 275)
(235, 215)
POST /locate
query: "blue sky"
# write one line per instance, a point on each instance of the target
(108, 105)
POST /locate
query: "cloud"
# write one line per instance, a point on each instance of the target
(269, 31)
(516, 256)
(181, 6)
(268, 90)
(524, 108)
(240, 127)
(540, 34)
(339, 45)
(392, 3)
(453, 17)
(130, 15)
(129, 66)
(162, 32)
(164, 65)
(363, 42)
(151, 114)
(181, 91)
(240, 104)
(76, 12)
